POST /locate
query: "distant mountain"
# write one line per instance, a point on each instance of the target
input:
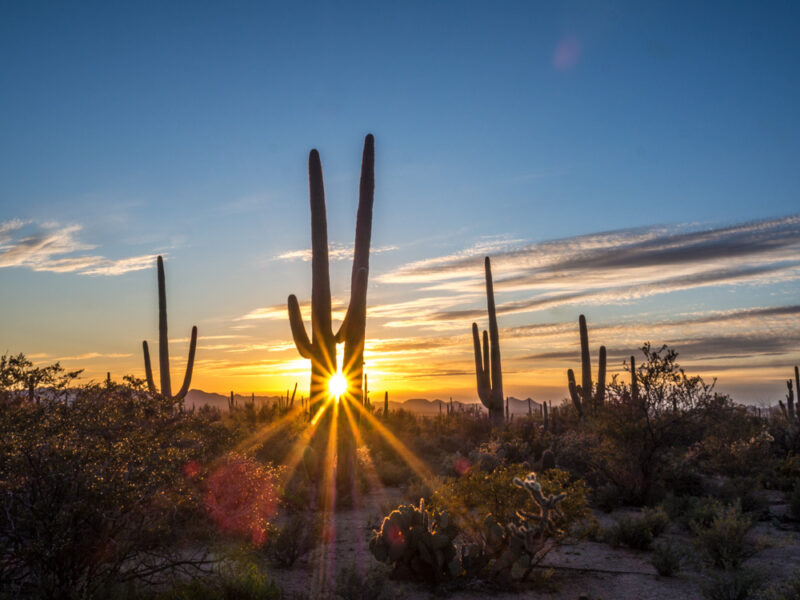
(419, 406)
(198, 398)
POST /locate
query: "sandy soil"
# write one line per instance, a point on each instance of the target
(581, 569)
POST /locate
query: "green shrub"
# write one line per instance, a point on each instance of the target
(630, 531)
(352, 583)
(723, 541)
(667, 557)
(656, 519)
(246, 584)
(785, 590)
(688, 510)
(295, 538)
(732, 584)
(793, 498)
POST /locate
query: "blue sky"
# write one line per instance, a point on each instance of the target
(131, 130)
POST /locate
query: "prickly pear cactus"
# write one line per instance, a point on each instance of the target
(417, 544)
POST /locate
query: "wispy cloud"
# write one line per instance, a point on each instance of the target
(612, 267)
(336, 252)
(58, 249)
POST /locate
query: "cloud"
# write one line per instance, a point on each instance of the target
(612, 267)
(52, 247)
(336, 252)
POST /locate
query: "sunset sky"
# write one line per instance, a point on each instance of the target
(635, 162)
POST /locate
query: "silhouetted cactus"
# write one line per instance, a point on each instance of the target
(582, 396)
(385, 405)
(163, 348)
(790, 399)
(321, 348)
(487, 367)
(548, 460)
(634, 381)
(546, 416)
(231, 403)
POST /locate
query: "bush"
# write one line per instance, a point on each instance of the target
(787, 590)
(735, 584)
(723, 541)
(354, 584)
(247, 584)
(483, 493)
(667, 557)
(688, 511)
(296, 537)
(629, 531)
(98, 490)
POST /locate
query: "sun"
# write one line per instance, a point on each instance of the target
(337, 385)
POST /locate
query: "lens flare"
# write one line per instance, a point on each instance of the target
(337, 385)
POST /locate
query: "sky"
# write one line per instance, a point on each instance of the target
(633, 162)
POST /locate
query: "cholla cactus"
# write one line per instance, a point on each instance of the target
(544, 524)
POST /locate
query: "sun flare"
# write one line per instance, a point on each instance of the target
(337, 385)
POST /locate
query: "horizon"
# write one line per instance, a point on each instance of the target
(633, 164)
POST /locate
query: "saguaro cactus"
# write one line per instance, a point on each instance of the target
(487, 367)
(321, 348)
(582, 396)
(163, 347)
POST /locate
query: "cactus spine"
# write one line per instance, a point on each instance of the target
(487, 367)
(582, 396)
(163, 347)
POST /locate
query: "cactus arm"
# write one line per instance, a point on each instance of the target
(301, 341)
(480, 373)
(797, 382)
(148, 370)
(573, 392)
(320, 282)
(600, 397)
(586, 364)
(163, 337)
(187, 378)
(497, 371)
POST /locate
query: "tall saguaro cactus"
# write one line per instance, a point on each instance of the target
(321, 348)
(582, 395)
(163, 347)
(487, 366)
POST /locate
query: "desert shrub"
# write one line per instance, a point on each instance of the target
(98, 490)
(631, 532)
(747, 492)
(473, 496)
(656, 519)
(785, 590)
(793, 498)
(392, 473)
(353, 583)
(242, 497)
(607, 497)
(667, 557)
(637, 533)
(732, 584)
(293, 539)
(642, 438)
(245, 583)
(688, 510)
(723, 541)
